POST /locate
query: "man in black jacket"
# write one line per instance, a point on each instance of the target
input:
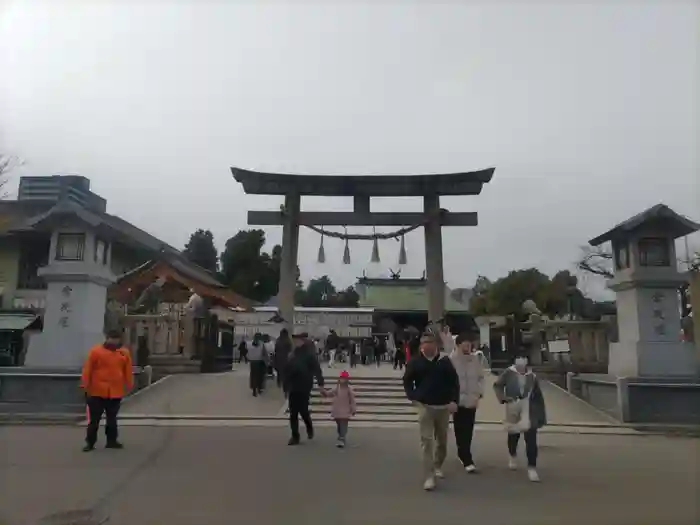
(299, 373)
(432, 384)
(283, 347)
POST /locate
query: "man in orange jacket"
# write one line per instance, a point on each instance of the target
(107, 377)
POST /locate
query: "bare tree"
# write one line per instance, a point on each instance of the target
(597, 261)
(7, 163)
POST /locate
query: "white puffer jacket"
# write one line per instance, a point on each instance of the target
(470, 369)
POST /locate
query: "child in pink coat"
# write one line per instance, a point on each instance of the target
(343, 407)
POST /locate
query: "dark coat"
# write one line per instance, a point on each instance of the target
(283, 347)
(431, 381)
(301, 369)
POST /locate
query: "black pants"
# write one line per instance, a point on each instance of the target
(258, 369)
(530, 446)
(463, 424)
(299, 406)
(98, 406)
(399, 360)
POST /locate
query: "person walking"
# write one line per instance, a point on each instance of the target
(432, 385)
(400, 356)
(343, 407)
(379, 350)
(332, 342)
(106, 378)
(257, 359)
(243, 352)
(518, 388)
(302, 367)
(470, 371)
(353, 354)
(283, 346)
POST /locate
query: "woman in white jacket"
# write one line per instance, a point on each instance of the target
(470, 369)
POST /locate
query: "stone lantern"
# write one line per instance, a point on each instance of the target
(77, 275)
(646, 281)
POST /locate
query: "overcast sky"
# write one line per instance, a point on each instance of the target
(589, 113)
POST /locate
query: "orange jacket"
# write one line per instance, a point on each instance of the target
(107, 373)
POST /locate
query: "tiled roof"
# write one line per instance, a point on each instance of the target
(677, 224)
(128, 233)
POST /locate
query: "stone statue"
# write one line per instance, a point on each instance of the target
(198, 306)
(534, 336)
(150, 299)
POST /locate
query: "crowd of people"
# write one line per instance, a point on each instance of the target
(439, 386)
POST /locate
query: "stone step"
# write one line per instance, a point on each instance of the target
(370, 394)
(366, 402)
(316, 409)
(368, 380)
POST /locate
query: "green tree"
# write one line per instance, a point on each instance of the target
(249, 270)
(201, 250)
(321, 292)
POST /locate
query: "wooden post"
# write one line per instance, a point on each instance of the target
(433, 262)
(288, 270)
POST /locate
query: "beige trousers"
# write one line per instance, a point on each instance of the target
(433, 422)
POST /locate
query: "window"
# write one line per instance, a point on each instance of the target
(70, 247)
(622, 257)
(654, 252)
(33, 254)
(100, 251)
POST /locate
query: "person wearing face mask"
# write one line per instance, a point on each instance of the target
(432, 385)
(470, 370)
(107, 377)
(518, 388)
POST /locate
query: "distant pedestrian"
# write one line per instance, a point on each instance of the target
(379, 350)
(243, 352)
(300, 372)
(470, 371)
(332, 343)
(432, 384)
(344, 406)
(400, 356)
(283, 347)
(518, 388)
(107, 377)
(353, 354)
(258, 358)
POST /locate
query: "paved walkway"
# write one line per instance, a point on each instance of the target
(217, 476)
(380, 395)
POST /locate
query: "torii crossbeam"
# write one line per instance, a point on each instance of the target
(361, 188)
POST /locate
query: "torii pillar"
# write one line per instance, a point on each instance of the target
(361, 188)
(290, 251)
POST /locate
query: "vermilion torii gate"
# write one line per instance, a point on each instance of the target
(361, 188)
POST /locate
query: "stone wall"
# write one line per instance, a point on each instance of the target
(27, 391)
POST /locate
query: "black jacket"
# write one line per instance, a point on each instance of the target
(300, 371)
(283, 346)
(431, 381)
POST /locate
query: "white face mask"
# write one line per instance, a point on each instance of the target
(521, 362)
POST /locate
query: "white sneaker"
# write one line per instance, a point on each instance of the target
(439, 474)
(471, 469)
(532, 475)
(429, 484)
(512, 463)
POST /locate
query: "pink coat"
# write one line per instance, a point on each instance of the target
(343, 406)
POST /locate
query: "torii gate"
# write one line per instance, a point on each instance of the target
(361, 188)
